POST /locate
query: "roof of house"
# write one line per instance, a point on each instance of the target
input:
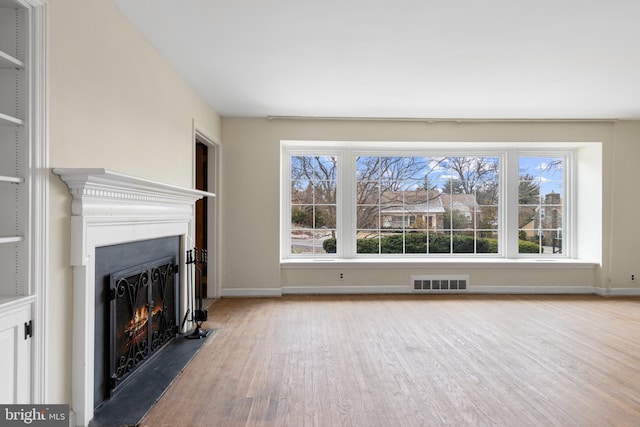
(421, 201)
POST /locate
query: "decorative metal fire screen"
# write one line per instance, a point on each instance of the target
(143, 316)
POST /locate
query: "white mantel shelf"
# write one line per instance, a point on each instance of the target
(109, 208)
(99, 183)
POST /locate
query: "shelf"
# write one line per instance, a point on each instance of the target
(11, 179)
(8, 61)
(11, 302)
(10, 120)
(11, 239)
(10, 4)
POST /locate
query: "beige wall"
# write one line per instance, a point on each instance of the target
(115, 104)
(251, 202)
(624, 229)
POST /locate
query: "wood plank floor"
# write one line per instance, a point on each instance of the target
(412, 361)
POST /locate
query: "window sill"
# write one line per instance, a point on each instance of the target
(438, 262)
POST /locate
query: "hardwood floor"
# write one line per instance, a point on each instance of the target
(412, 361)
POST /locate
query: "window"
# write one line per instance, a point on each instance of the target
(313, 202)
(424, 204)
(363, 200)
(541, 189)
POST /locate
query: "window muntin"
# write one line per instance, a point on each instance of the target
(541, 204)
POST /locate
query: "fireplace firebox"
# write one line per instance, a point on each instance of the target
(137, 314)
(143, 316)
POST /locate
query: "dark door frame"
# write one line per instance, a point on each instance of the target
(212, 208)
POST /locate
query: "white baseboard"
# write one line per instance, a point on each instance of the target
(619, 292)
(363, 290)
(251, 292)
(336, 290)
(534, 290)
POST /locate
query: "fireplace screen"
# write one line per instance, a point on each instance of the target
(143, 316)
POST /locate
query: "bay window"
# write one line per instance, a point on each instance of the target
(372, 200)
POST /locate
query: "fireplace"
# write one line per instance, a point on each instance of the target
(142, 317)
(136, 309)
(110, 209)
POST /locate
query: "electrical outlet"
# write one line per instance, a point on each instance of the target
(632, 277)
(340, 276)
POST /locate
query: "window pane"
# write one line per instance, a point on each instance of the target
(368, 192)
(487, 242)
(302, 217)
(541, 204)
(314, 168)
(368, 168)
(313, 204)
(416, 242)
(487, 217)
(307, 241)
(301, 192)
(464, 242)
(392, 242)
(368, 217)
(431, 195)
(368, 242)
(324, 192)
(440, 242)
(325, 217)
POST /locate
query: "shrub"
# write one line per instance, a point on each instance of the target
(416, 243)
(367, 246)
(525, 247)
(330, 245)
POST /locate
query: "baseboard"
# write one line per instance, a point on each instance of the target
(534, 290)
(336, 290)
(619, 292)
(251, 292)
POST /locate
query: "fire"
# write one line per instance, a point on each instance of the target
(138, 321)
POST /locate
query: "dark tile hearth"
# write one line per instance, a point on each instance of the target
(149, 383)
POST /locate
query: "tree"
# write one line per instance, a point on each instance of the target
(453, 186)
(528, 199)
(466, 175)
(528, 190)
(314, 190)
(454, 219)
(476, 175)
(380, 180)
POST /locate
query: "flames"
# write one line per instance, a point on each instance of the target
(138, 322)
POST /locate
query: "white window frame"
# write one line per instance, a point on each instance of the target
(347, 151)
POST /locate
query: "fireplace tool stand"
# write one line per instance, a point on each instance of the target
(199, 261)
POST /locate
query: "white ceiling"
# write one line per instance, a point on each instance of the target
(499, 59)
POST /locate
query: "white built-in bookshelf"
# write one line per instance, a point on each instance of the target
(23, 198)
(15, 147)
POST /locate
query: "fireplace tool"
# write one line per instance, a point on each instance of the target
(199, 261)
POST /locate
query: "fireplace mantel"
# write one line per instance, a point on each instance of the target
(110, 208)
(115, 193)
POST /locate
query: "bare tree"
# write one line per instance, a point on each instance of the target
(381, 181)
(476, 175)
(313, 190)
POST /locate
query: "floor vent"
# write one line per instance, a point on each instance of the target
(437, 284)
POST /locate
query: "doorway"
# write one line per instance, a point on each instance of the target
(206, 168)
(202, 183)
